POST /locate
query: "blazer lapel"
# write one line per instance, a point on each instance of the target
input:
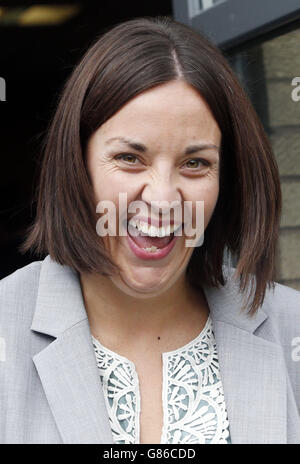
(252, 371)
(67, 366)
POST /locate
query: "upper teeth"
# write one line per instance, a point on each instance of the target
(151, 230)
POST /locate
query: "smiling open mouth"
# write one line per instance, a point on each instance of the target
(150, 241)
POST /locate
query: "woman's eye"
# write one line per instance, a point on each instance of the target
(127, 157)
(195, 163)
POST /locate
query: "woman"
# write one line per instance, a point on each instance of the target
(138, 337)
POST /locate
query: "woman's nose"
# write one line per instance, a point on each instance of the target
(161, 187)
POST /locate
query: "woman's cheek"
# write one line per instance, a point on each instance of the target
(207, 199)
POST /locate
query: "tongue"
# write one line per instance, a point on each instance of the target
(144, 241)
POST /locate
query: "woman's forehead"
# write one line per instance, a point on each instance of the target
(171, 98)
(168, 110)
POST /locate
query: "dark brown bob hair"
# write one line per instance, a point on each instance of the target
(127, 59)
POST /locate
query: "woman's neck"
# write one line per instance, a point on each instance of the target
(115, 316)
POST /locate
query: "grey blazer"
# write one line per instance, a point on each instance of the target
(50, 389)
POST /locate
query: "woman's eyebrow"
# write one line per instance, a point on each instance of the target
(201, 146)
(131, 143)
(140, 147)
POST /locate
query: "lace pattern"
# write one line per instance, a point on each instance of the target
(192, 393)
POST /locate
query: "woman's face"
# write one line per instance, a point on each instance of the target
(166, 120)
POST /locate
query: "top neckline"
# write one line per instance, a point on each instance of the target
(165, 353)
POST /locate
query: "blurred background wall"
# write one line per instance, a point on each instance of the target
(40, 42)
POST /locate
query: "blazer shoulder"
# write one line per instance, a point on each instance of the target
(19, 288)
(281, 305)
(279, 301)
(283, 302)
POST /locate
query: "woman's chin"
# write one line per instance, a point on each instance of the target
(142, 283)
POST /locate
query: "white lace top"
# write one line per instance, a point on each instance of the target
(192, 393)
